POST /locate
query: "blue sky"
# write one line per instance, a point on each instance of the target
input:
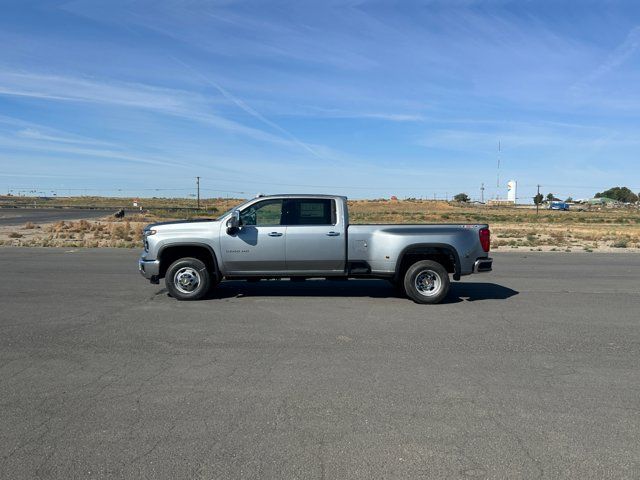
(366, 99)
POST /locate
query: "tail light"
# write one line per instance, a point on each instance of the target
(485, 239)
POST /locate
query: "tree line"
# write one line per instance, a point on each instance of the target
(620, 194)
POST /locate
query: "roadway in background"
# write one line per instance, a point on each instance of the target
(20, 216)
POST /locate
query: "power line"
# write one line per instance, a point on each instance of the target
(134, 190)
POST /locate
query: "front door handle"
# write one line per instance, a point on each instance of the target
(275, 234)
(333, 234)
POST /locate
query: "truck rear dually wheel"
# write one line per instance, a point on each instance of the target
(188, 279)
(426, 282)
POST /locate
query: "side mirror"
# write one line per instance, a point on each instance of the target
(233, 224)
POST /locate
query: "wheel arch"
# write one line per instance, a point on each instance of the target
(443, 253)
(171, 252)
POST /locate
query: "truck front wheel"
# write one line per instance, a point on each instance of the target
(188, 279)
(426, 281)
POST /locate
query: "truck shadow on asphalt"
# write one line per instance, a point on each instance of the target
(475, 291)
(459, 292)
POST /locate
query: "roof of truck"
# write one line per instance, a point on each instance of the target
(301, 195)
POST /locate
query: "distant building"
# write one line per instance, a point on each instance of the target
(512, 191)
(601, 201)
(500, 202)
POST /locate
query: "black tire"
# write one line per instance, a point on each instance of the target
(433, 279)
(188, 279)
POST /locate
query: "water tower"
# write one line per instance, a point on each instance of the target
(512, 187)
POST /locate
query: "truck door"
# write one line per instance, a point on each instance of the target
(315, 242)
(259, 245)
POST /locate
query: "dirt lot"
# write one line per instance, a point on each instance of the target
(513, 228)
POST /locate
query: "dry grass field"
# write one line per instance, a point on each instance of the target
(600, 229)
(513, 228)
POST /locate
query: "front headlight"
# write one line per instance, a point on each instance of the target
(145, 234)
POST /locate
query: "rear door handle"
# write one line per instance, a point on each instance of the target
(333, 234)
(275, 234)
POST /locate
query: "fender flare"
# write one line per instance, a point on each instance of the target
(216, 268)
(442, 246)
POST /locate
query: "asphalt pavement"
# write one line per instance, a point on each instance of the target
(532, 371)
(20, 216)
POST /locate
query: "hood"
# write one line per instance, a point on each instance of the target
(176, 222)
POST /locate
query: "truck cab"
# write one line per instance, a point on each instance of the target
(276, 235)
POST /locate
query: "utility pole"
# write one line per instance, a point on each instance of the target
(498, 180)
(482, 193)
(198, 188)
(498, 173)
(538, 201)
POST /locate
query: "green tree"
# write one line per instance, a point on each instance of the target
(550, 197)
(621, 194)
(569, 199)
(462, 197)
(538, 199)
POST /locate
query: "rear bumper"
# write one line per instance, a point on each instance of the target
(483, 265)
(149, 269)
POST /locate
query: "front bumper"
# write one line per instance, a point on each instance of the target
(149, 269)
(483, 265)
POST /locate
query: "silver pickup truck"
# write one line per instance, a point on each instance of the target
(306, 236)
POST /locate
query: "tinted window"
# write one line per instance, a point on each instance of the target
(312, 211)
(268, 212)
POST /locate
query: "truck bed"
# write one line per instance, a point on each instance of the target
(380, 245)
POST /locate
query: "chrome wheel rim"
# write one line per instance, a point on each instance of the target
(186, 280)
(428, 283)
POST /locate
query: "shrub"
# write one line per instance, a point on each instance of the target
(120, 232)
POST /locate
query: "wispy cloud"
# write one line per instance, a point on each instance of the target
(519, 137)
(615, 59)
(320, 112)
(68, 88)
(35, 134)
(83, 152)
(39, 132)
(32, 175)
(247, 109)
(162, 100)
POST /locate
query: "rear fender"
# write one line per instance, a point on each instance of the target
(426, 249)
